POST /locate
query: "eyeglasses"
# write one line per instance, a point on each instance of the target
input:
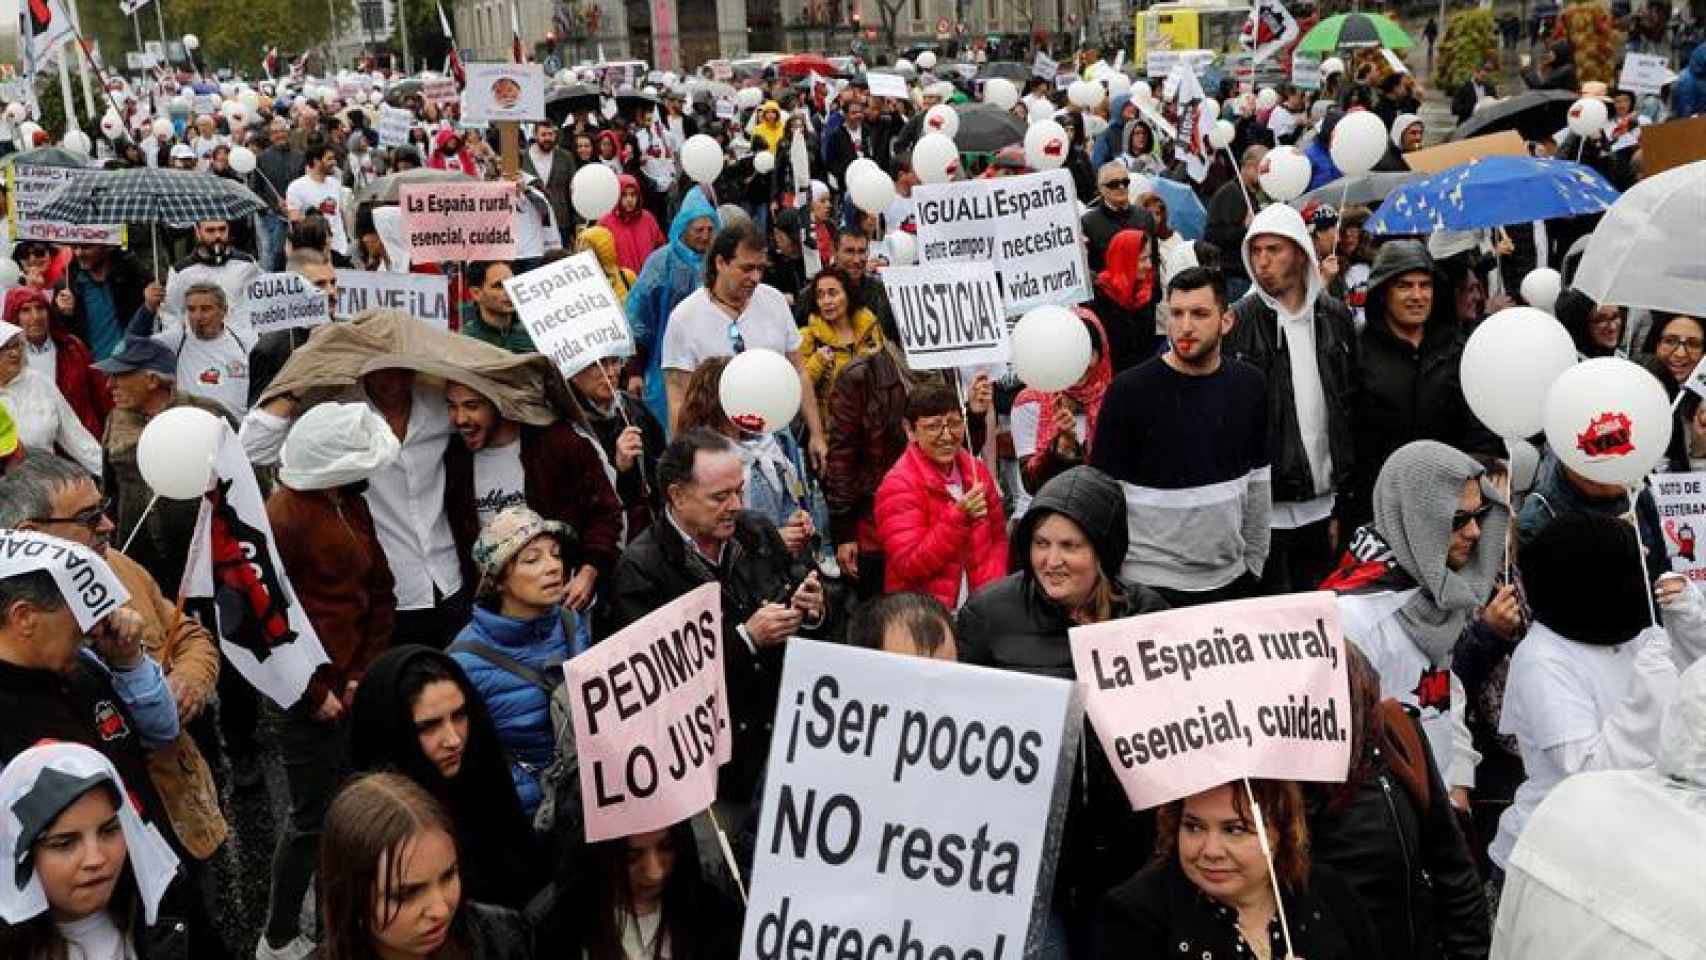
(736, 341)
(946, 427)
(1463, 518)
(91, 518)
(1117, 185)
(1689, 344)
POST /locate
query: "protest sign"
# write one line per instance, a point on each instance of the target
(32, 187)
(439, 90)
(1186, 700)
(1681, 499)
(1027, 226)
(909, 801)
(1672, 144)
(1160, 63)
(948, 315)
(1044, 66)
(891, 85)
(651, 718)
(571, 312)
(424, 296)
(1505, 143)
(503, 91)
(459, 221)
(1305, 71)
(282, 301)
(394, 126)
(1644, 73)
(89, 586)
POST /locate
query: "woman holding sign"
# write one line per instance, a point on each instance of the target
(1209, 893)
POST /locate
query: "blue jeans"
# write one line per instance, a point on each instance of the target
(270, 229)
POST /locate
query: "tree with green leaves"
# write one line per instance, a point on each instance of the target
(1470, 40)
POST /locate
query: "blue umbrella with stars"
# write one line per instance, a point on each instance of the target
(1493, 192)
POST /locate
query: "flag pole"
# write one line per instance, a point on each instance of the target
(83, 62)
(65, 92)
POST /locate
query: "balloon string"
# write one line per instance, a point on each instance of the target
(1238, 176)
(138, 528)
(1641, 553)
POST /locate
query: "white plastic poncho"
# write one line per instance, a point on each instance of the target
(334, 444)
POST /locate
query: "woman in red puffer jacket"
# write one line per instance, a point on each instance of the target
(938, 510)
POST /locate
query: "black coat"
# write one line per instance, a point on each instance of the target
(1100, 224)
(1159, 913)
(1253, 340)
(1410, 868)
(1464, 100)
(842, 153)
(491, 933)
(1227, 210)
(756, 569)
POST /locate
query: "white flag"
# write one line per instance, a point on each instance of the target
(45, 25)
(263, 630)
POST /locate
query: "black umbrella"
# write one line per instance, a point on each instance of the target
(1535, 115)
(1005, 70)
(177, 198)
(563, 100)
(388, 189)
(632, 100)
(47, 157)
(986, 128)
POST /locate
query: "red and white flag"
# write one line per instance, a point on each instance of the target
(1270, 28)
(515, 47)
(269, 63)
(453, 60)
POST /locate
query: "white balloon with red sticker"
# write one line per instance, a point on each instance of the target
(1609, 420)
(1046, 145)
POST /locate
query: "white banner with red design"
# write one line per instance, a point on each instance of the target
(1027, 226)
(1270, 28)
(1681, 499)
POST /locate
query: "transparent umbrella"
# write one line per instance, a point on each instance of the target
(1646, 251)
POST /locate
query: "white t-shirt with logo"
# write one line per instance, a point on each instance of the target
(499, 480)
(699, 328)
(327, 197)
(216, 369)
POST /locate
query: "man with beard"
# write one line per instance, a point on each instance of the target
(1186, 435)
(554, 169)
(212, 261)
(213, 360)
(318, 189)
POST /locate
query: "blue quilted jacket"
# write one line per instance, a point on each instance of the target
(520, 710)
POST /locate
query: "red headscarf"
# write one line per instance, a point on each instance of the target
(628, 183)
(1127, 277)
(19, 297)
(1086, 394)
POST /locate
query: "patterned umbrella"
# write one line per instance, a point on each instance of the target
(178, 198)
(1351, 30)
(1493, 192)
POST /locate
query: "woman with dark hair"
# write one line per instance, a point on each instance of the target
(1209, 893)
(87, 873)
(416, 713)
(1390, 831)
(390, 883)
(1671, 350)
(1052, 430)
(1596, 329)
(839, 330)
(640, 897)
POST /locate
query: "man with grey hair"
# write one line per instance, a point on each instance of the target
(1112, 212)
(212, 359)
(275, 168)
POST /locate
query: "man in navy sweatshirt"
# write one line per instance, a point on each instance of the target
(1186, 436)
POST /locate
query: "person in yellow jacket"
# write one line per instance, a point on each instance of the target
(768, 132)
(602, 243)
(838, 332)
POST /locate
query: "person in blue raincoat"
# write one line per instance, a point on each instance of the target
(671, 273)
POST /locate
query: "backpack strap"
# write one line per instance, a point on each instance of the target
(508, 664)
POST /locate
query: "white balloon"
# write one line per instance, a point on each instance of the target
(192, 43)
(1094, 126)
(237, 118)
(1609, 420)
(1084, 94)
(1509, 364)
(935, 159)
(926, 60)
(763, 161)
(1051, 348)
(77, 141)
(175, 452)
(904, 65)
(163, 129)
(1267, 99)
(1000, 92)
(1284, 174)
(1141, 91)
(870, 186)
(112, 126)
(1046, 145)
(1331, 66)
(702, 158)
(760, 391)
(10, 273)
(249, 99)
(1359, 141)
(903, 248)
(942, 119)
(1119, 85)
(594, 190)
(1210, 108)
(180, 104)
(1541, 287)
(1221, 136)
(242, 160)
(1587, 116)
(27, 133)
(16, 112)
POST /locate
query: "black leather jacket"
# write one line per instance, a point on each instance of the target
(1255, 340)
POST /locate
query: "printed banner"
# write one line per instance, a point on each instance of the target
(459, 221)
(891, 85)
(439, 90)
(32, 187)
(503, 91)
(424, 296)
(913, 802)
(282, 301)
(1027, 226)
(1044, 66)
(263, 630)
(394, 126)
(1644, 73)
(1186, 700)
(948, 316)
(1160, 63)
(1681, 500)
(1268, 30)
(571, 312)
(651, 718)
(89, 586)
(1306, 71)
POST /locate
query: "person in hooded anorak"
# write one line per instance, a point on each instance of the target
(669, 276)
(602, 243)
(632, 227)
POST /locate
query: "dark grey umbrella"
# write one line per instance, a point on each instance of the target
(177, 198)
(1536, 115)
(47, 157)
(1006, 70)
(986, 128)
(1369, 188)
(385, 189)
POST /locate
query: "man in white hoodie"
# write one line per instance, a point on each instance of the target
(1303, 341)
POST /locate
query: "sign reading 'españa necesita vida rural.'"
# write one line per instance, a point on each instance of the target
(1027, 227)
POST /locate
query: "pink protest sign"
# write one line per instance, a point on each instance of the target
(1189, 699)
(651, 718)
(449, 222)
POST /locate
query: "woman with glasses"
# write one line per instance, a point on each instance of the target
(1672, 349)
(45, 419)
(938, 510)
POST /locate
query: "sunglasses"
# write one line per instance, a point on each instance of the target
(1118, 185)
(736, 341)
(1462, 518)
